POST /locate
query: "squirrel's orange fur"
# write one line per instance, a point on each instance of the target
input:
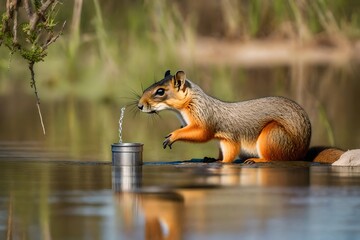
(262, 130)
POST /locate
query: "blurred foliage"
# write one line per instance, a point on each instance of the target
(113, 46)
(112, 49)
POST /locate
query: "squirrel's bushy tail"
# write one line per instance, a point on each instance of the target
(323, 154)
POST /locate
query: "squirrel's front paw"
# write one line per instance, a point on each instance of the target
(167, 141)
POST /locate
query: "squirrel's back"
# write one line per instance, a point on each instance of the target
(247, 118)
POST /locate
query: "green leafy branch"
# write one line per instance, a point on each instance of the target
(33, 35)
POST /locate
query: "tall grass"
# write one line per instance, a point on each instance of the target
(300, 19)
(115, 46)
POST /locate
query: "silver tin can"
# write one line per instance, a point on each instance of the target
(127, 154)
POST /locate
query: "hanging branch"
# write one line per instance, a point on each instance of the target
(32, 37)
(33, 85)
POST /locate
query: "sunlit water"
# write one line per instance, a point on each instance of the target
(190, 200)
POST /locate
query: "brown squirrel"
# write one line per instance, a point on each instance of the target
(258, 130)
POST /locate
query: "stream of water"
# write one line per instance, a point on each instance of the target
(122, 112)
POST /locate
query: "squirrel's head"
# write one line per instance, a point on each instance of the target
(169, 93)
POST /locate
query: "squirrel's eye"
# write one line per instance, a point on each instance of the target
(160, 92)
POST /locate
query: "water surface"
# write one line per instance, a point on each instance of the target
(189, 200)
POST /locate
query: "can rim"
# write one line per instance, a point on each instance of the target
(127, 144)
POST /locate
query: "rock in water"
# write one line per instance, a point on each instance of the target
(349, 158)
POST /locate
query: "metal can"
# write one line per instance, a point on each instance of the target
(127, 154)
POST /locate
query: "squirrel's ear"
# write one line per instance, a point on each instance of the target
(167, 73)
(179, 80)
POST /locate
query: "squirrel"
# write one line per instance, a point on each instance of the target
(259, 130)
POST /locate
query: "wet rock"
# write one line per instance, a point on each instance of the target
(349, 158)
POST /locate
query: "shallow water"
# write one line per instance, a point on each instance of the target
(182, 200)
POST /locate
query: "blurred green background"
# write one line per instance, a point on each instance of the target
(307, 50)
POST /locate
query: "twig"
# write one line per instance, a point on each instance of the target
(8, 7)
(33, 85)
(39, 14)
(15, 24)
(28, 8)
(5, 21)
(54, 38)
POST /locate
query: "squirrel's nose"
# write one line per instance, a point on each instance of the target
(140, 106)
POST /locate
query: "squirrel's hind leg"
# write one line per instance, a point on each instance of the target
(229, 151)
(275, 144)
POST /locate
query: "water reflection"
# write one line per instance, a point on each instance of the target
(162, 209)
(162, 214)
(44, 200)
(228, 175)
(162, 205)
(126, 178)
